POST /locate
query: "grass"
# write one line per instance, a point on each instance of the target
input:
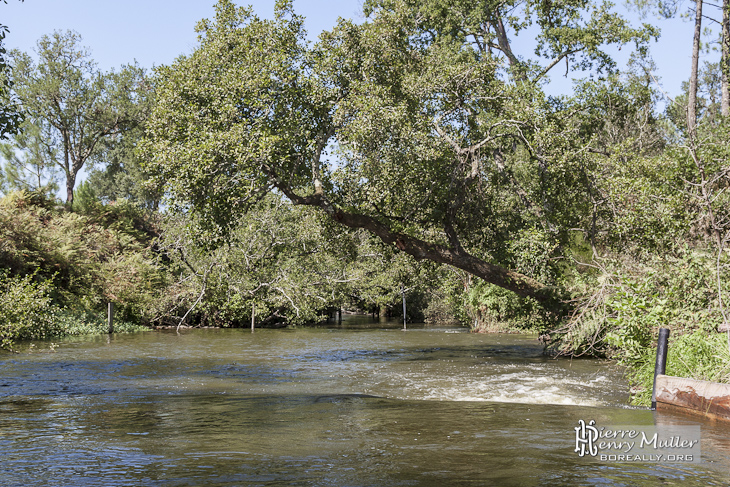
(700, 355)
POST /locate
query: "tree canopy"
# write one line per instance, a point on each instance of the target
(404, 125)
(66, 96)
(10, 114)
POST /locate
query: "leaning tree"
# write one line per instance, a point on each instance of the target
(421, 125)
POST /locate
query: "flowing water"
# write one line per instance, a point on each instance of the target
(344, 406)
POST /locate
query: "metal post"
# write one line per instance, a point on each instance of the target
(253, 316)
(110, 318)
(661, 361)
(403, 292)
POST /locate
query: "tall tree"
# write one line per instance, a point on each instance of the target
(66, 95)
(694, 75)
(668, 9)
(444, 149)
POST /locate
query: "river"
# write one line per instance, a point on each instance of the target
(356, 405)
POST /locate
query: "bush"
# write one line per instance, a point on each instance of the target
(627, 302)
(27, 313)
(25, 310)
(77, 323)
(492, 308)
(104, 253)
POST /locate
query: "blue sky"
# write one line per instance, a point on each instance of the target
(155, 32)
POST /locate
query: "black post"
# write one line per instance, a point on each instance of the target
(110, 318)
(661, 361)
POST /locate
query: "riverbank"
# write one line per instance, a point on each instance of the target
(61, 268)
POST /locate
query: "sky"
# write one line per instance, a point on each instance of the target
(155, 32)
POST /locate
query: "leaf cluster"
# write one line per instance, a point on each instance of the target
(102, 255)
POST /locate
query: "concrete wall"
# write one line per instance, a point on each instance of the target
(710, 399)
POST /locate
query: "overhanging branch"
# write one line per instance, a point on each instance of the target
(516, 282)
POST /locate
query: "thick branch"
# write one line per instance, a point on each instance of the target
(520, 284)
(514, 281)
(504, 44)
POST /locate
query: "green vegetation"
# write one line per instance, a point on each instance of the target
(265, 180)
(61, 268)
(10, 114)
(72, 105)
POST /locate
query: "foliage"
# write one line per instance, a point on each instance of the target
(494, 309)
(24, 310)
(73, 103)
(279, 264)
(378, 276)
(28, 163)
(68, 322)
(444, 150)
(701, 354)
(27, 312)
(574, 32)
(625, 302)
(658, 226)
(287, 264)
(10, 114)
(101, 255)
(122, 175)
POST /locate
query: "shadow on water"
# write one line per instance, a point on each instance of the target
(369, 322)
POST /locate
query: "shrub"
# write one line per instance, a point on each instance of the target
(25, 308)
(27, 313)
(492, 308)
(97, 255)
(68, 322)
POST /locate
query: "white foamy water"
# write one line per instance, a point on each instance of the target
(445, 375)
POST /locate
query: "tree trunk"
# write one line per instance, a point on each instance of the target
(70, 183)
(692, 97)
(725, 60)
(522, 285)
